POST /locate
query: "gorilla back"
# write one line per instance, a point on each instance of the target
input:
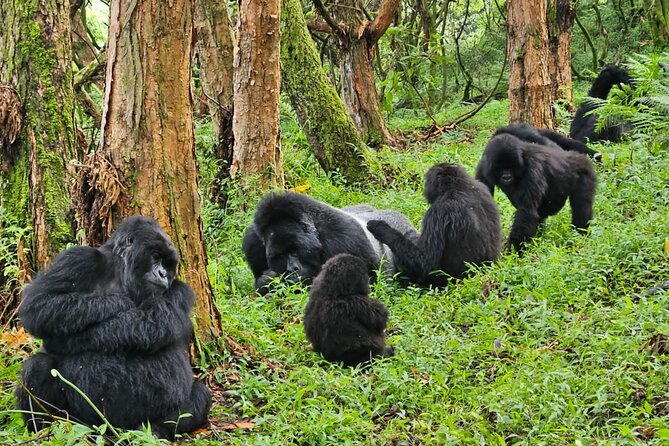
(293, 235)
(115, 322)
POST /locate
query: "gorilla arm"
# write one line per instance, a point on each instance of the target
(372, 314)
(158, 322)
(66, 298)
(416, 260)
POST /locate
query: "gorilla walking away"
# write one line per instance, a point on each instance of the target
(115, 322)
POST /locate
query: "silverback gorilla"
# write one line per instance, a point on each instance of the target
(342, 322)
(292, 235)
(115, 322)
(461, 227)
(538, 180)
(583, 127)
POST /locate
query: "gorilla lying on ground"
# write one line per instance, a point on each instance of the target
(340, 320)
(583, 127)
(538, 180)
(116, 323)
(293, 235)
(548, 138)
(461, 226)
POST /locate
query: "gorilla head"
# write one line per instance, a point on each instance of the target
(149, 259)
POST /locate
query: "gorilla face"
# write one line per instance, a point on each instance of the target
(294, 252)
(508, 162)
(149, 257)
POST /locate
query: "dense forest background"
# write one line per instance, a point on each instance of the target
(190, 110)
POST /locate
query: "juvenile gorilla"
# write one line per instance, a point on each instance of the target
(293, 235)
(116, 323)
(583, 127)
(340, 320)
(538, 180)
(548, 138)
(461, 226)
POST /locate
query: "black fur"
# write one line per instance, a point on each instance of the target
(461, 226)
(583, 127)
(538, 180)
(116, 323)
(342, 322)
(293, 235)
(548, 138)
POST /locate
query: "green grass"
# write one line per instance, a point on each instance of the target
(543, 349)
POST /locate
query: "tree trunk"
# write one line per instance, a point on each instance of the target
(37, 62)
(147, 137)
(530, 96)
(322, 115)
(214, 48)
(560, 25)
(257, 82)
(356, 41)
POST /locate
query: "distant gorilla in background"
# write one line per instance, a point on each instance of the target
(538, 180)
(548, 138)
(340, 320)
(583, 127)
(460, 227)
(116, 323)
(293, 235)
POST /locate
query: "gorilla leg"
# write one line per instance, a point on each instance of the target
(38, 393)
(525, 226)
(197, 405)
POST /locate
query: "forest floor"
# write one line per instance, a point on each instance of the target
(560, 346)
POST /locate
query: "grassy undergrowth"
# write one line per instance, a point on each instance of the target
(560, 346)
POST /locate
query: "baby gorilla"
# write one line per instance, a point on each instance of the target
(342, 322)
(461, 227)
(538, 180)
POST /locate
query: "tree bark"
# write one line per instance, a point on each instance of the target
(658, 16)
(320, 111)
(356, 41)
(257, 80)
(214, 48)
(37, 62)
(148, 150)
(561, 16)
(530, 96)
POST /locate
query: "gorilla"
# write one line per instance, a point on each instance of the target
(460, 227)
(538, 180)
(340, 320)
(116, 323)
(548, 138)
(292, 235)
(583, 127)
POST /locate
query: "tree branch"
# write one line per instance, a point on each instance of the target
(87, 73)
(328, 19)
(383, 19)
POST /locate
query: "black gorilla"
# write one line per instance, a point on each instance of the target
(583, 127)
(293, 235)
(538, 180)
(548, 138)
(342, 322)
(461, 226)
(116, 323)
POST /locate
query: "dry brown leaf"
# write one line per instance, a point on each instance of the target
(15, 338)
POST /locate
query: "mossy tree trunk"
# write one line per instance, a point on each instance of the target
(356, 39)
(214, 48)
(658, 16)
(561, 14)
(530, 97)
(147, 135)
(320, 111)
(257, 81)
(36, 60)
